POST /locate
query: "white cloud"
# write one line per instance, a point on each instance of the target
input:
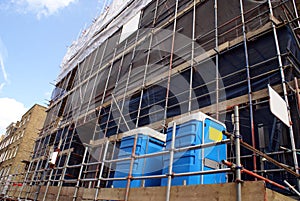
(3, 68)
(2, 85)
(3, 55)
(10, 111)
(41, 7)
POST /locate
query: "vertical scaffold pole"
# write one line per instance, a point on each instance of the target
(285, 95)
(192, 58)
(80, 172)
(131, 167)
(144, 81)
(171, 64)
(297, 92)
(126, 85)
(249, 83)
(168, 193)
(296, 12)
(217, 59)
(237, 154)
(62, 177)
(48, 184)
(101, 169)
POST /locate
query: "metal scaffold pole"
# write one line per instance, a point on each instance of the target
(217, 59)
(297, 92)
(248, 82)
(285, 94)
(237, 154)
(192, 58)
(168, 193)
(171, 63)
(144, 81)
(101, 169)
(126, 87)
(131, 167)
(62, 177)
(80, 173)
(296, 12)
(48, 184)
(49, 178)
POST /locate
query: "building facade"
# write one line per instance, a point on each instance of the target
(16, 147)
(149, 62)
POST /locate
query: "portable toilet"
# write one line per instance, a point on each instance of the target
(148, 141)
(191, 130)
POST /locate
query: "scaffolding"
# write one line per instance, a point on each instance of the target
(186, 56)
(79, 192)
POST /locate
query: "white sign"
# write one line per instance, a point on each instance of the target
(278, 106)
(53, 157)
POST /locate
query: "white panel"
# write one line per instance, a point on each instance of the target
(278, 106)
(146, 131)
(130, 27)
(53, 157)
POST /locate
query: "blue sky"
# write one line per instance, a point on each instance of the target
(34, 36)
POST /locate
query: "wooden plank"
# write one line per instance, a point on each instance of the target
(66, 151)
(251, 191)
(52, 193)
(89, 194)
(67, 191)
(80, 194)
(41, 192)
(223, 106)
(213, 192)
(111, 193)
(274, 196)
(32, 192)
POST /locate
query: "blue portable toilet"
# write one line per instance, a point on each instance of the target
(191, 130)
(148, 141)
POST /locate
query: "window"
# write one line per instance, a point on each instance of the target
(28, 118)
(16, 150)
(8, 169)
(6, 154)
(1, 158)
(10, 153)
